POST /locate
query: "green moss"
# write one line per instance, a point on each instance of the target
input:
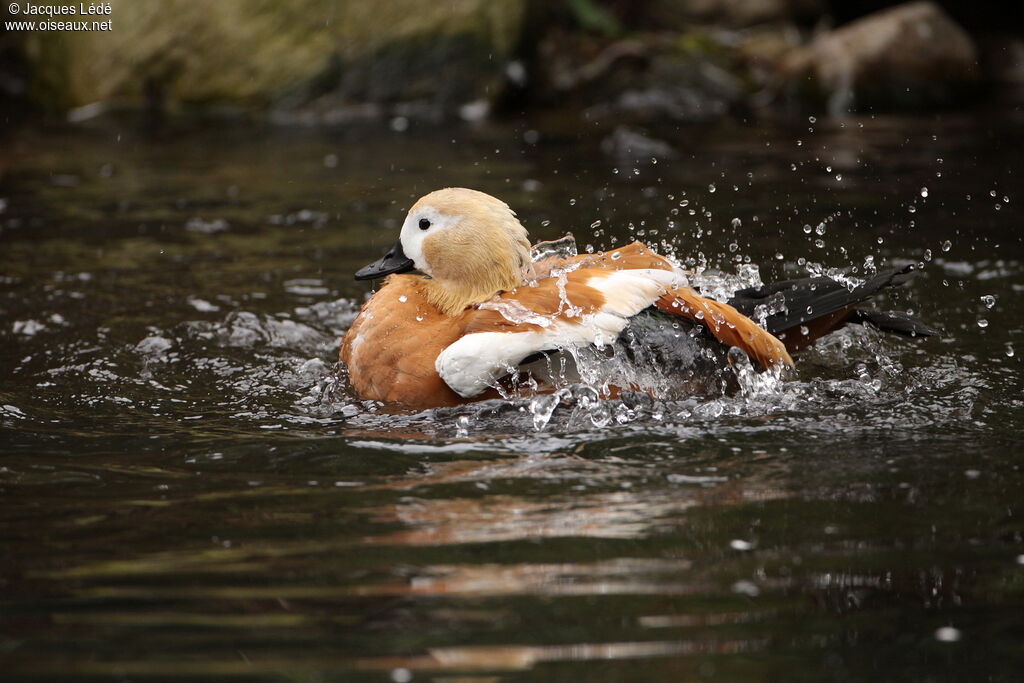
(592, 17)
(697, 43)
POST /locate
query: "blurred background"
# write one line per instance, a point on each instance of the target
(332, 62)
(189, 488)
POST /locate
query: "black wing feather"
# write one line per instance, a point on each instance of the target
(807, 299)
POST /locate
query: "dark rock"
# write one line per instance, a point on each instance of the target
(1004, 59)
(680, 78)
(682, 14)
(683, 89)
(631, 147)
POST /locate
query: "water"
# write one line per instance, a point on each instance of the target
(188, 487)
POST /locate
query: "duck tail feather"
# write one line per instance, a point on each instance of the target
(894, 322)
(808, 299)
(814, 307)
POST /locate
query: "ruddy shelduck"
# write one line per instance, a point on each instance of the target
(489, 315)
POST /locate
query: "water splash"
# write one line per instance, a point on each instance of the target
(721, 286)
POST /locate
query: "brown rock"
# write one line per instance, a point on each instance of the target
(907, 56)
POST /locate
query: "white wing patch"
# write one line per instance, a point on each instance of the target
(477, 361)
(627, 292)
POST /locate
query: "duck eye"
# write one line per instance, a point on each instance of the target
(424, 224)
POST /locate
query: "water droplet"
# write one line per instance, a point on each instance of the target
(545, 223)
(807, 229)
(947, 245)
(1009, 350)
(820, 229)
(812, 119)
(616, 256)
(779, 256)
(403, 298)
(924, 192)
(711, 187)
(927, 254)
(989, 300)
(595, 224)
(912, 209)
(740, 544)
(947, 634)
(685, 202)
(992, 193)
(982, 323)
(819, 243)
(736, 222)
(733, 247)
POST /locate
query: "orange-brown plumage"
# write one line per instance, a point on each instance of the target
(391, 347)
(728, 326)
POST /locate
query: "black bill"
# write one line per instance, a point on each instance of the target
(395, 261)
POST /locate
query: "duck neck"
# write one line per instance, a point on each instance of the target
(452, 298)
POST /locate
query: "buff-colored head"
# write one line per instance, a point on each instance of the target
(469, 243)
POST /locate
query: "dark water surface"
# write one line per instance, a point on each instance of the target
(188, 488)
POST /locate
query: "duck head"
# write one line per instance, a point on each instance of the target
(468, 243)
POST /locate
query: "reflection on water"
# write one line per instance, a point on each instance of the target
(189, 488)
